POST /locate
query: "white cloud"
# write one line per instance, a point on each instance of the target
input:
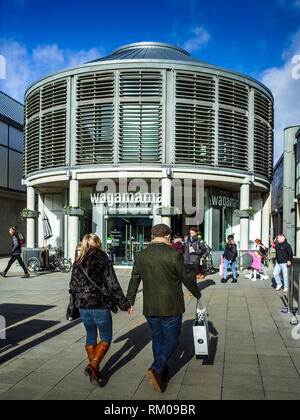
(24, 67)
(200, 39)
(285, 88)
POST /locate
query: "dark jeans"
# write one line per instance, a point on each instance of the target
(97, 318)
(166, 333)
(20, 261)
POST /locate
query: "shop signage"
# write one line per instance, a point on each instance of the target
(222, 201)
(111, 199)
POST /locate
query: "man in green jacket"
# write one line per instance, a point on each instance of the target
(162, 271)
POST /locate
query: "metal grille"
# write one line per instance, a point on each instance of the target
(263, 148)
(95, 86)
(195, 86)
(194, 134)
(31, 146)
(33, 104)
(53, 139)
(140, 132)
(95, 134)
(140, 83)
(54, 94)
(263, 107)
(233, 139)
(233, 93)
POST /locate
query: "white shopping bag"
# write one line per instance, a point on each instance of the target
(221, 267)
(201, 332)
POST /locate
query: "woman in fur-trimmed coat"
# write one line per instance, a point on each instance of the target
(97, 292)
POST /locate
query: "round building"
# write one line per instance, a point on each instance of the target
(151, 112)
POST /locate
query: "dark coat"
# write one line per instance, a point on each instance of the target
(16, 245)
(284, 252)
(199, 247)
(230, 252)
(162, 271)
(99, 268)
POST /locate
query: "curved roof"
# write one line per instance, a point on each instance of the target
(150, 51)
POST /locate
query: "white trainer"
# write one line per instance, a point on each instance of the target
(278, 287)
(285, 290)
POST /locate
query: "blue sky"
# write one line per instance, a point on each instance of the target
(255, 37)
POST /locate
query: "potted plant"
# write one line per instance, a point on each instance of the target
(74, 211)
(27, 213)
(245, 213)
(167, 211)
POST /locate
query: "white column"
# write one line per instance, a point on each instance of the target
(41, 243)
(244, 222)
(30, 224)
(73, 220)
(166, 198)
(266, 220)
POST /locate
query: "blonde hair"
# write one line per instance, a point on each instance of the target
(89, 241)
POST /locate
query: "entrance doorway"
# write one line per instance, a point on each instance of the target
(125, 236)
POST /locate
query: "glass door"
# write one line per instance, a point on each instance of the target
(125, 236)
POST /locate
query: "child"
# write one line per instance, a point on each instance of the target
(256, 266)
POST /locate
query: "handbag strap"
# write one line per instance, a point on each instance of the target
(88, 277)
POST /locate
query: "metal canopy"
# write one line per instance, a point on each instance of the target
(150, 51)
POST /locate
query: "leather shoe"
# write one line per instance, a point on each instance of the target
(154, 379)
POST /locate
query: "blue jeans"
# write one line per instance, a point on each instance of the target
(226, 264)
(97, 318)
(277, 270)
(166, 333)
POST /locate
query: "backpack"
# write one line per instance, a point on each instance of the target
(21, 239)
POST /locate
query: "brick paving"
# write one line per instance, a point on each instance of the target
(253, 355)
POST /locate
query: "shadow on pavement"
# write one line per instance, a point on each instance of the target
(205, 284)
(137, 339)
(15, 334)
(16, 312)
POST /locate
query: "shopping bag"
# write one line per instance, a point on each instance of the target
(201, 332)
(221, 267)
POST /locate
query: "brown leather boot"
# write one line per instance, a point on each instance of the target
(93, 367)
(90, 353)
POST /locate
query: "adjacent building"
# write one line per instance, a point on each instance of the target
(12, 192)
(148, 111)
(286, 190)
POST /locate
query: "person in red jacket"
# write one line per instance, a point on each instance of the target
(177, 243)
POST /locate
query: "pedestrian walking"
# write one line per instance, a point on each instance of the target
(162, 271)
(259, 246)
(177, 243)
(15, 253)
(194, 248)
(284, 257)
(97, 292)
(230, 254)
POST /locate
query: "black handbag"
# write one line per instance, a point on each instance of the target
(104, 291)
(72, 310)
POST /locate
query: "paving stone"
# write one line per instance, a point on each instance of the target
(243, 382)
(277, 384)
(282, 396)
(24, 393)
(58, 395)
(230, 394)
(192, 392)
